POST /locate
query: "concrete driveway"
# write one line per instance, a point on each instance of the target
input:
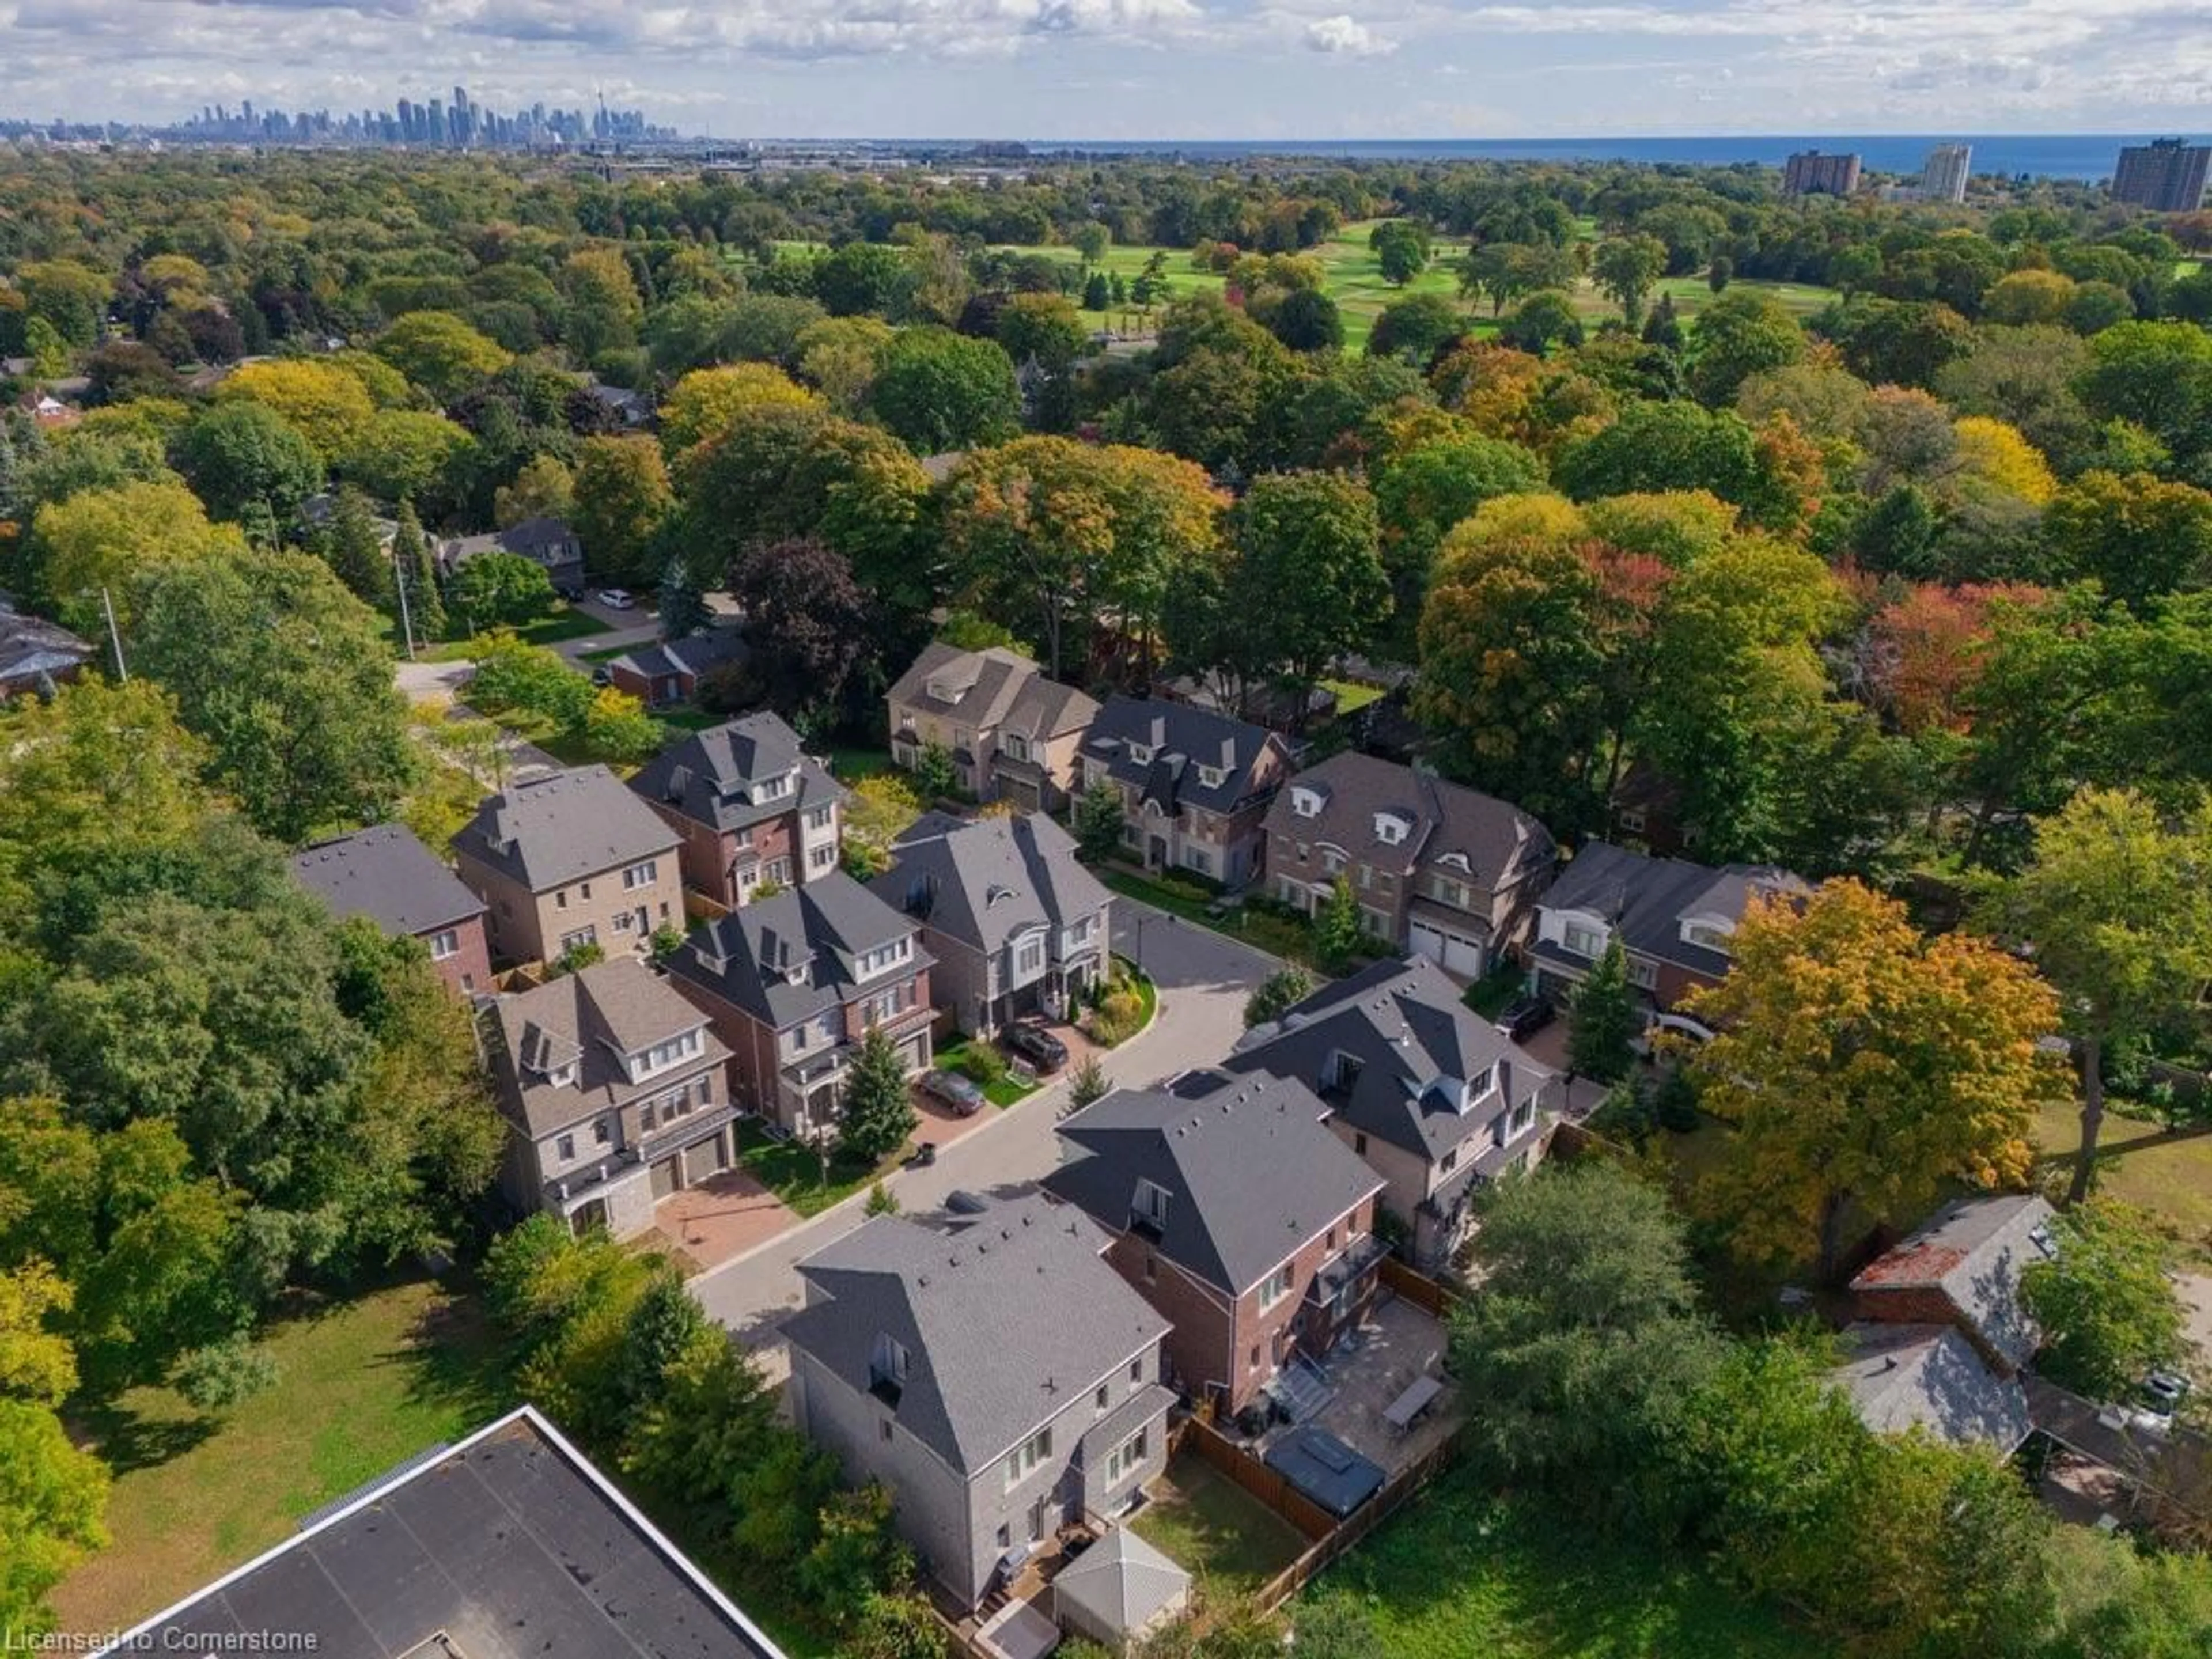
(1203, 981)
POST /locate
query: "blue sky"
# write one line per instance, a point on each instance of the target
(1152, 68)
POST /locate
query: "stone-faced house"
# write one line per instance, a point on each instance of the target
(384, 874)
(748, 806)
(794, 982)
(1430, 1096)
(570, 860)
(1011, 731)
(947, 1365)
(613, 1088)
(1195, 785)
(1438, 869)
(1675, 918)
(1015, 922)
(1238, 1215)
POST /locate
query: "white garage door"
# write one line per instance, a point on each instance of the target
(1453, 955)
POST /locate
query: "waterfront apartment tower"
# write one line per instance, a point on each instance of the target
(1808, 173)
(1943, 176)
(2167, 176)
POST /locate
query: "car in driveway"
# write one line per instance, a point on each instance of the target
(617, 599)
(2164, 1391)
(1526, 1016)
(1045, 1053)
(958, 1094)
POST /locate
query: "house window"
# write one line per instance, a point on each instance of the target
(1644, 976)
(1713, 939)
(586, 889)
(884, 1430)
(1449, 1161)
(1196, 859)
(1150, 1204)
(624, 920)
(1253, 1363)
(648, 1115)
(600, 1132)
(1026, 1457)
(639, 875)
(1141, 753)
(1005, 1538)
(444, 945)
(1100, 1398)
(1211, 776)
(1584, 941)
(1523, 1114)
(888, 1361)
(1126, 1458)
(1331, 860)
(1016, 746)
(577, 940)
(818, 818)
(1275, 1286)
(1342, 1071)
(1480, 1083)
(821, 857)
(779, 870)
(566, 1147)
(1029, 958)
(1445, 890)
(1303, 851)
(1328, 1242)
(560, 899)
(1359, 1144)
(1136, 1371)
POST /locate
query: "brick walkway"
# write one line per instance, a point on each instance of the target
(722, 1218)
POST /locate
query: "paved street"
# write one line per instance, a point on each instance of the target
(1203, 981)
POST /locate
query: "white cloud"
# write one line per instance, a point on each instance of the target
(1344, 36)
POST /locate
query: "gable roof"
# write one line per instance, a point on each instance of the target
(982, 1313)
(384, 874)
(1176, 740)
(1902, 1377)
(1648, 899)
(1418, 1046)
(711, 777)
(1250, 1172)
(558, 829)
(749, 958)
(969, 688)
(31, 645)
(1974, 1251)
(696, 654)
(591, 1018)
(986, 881)
(1492, 843)
(1044, 709)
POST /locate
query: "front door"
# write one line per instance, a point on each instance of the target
(1158, 857)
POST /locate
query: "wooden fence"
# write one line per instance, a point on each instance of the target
(1343, 1536)
(1210, 1446)
(1419, 1291)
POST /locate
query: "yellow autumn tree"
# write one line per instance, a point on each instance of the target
(330, 406)
(1994, 451)
(707, 401)
(1861, 1065)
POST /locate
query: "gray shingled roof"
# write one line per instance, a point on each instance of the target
(1647, 899)
(1250, 1172)
(985, 881)
(1973, 1250)
(747, 958)
(1043, 709)
(981, 686)
(1122, 1583)
(1901, 1377)
(610, 1009)
(32, 646)
(695, 654)
(1417, 1045)
(1497, 843)
(983, 1313)
(384, 874)
(710, 777)
(552, 831)
(1179, 740)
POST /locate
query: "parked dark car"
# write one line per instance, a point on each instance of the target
(1526, 1016)
(1045, 1053)
(959, 1093)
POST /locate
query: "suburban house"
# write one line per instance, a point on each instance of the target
(35, 653)
(1011, 731)
(567, 860)
(614, 1088)
(670, 671)
(1435, 1099)
(1929, 1378)
(1016, 924)
(1238, 1215)
(1195, 785)
(1674, 918)
(507, 1541)
(632, 412)
(1438, 869)
(794, 982)
(384, 874)
(749, 806)
(545, 541)
(1962, 1269)
(946, 1364)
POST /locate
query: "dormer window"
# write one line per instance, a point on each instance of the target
(1150, 1206)
(869, 964)
(1141, 753)
(1390, 828)
(1712, 934)
(772, 788)
(1211, 776)
(1341, 1072)
(562, 1077)
(888, 1363)
(1306, 803)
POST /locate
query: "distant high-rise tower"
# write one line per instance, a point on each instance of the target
(1808, 173)
(2167, 176)
(1943, 176)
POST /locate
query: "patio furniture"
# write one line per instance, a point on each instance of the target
(1407, 1408)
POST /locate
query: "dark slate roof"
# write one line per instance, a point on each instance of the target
(1901, 1377)
(1419, 1046)
(32, 646)
(1250, 1172)
(1176, 740)
(1647, 899)
(785, 958)
(511, 1544)
(972, 688)
(1491, 843)
(695, 654)
(552, 831)
(1973, 1251)
(595, 1017)
(712, 776)
(984, 881)
(384, 874)
(983, 1313)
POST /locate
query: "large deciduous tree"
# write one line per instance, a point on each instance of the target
(440, 353)
(235, 454)
(622, 498)
(810, 623)
(1627, 268)
(2105, 1301)
(1308, 574)
(938, 391)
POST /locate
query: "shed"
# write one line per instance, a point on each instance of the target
(1120, 1590)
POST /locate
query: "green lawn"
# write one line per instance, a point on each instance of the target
(564, 622)
(1461, 1575)
(1351, 696)
(362, 1385)
(1229, 1541)
(850, 762)
(790, 1170)
(2139, 1160)
(1008, 1089)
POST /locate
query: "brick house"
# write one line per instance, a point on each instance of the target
(1963, 1269)
(944, 1363)
(1195, 785)
(1238, 1215)
(749, 806)
(384, 874)
(1435, 1099)
(1438, 868)
(669, 672)
(794, 982)
(614, 1091)
(1674, 917)
(570, 860)
(1013, 734)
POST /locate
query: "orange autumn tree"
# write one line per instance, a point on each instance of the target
(1862, 1065)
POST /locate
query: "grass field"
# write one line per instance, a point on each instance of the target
(2168, 1173)
(361, 1386)
(1227, 1540)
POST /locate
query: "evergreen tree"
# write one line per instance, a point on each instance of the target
(351, 547)
(1602, 1025)
(1336, 925)
(879, 1112)
(411, 558)
(1089, 1084)
(1662, 327)
(660, 1330)
(682, 608)
(259, 524)
(1097, 292)
(1097, 821)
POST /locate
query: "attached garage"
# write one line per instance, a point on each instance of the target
(709, 1158)
(1455, 955)
(666, 1177)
